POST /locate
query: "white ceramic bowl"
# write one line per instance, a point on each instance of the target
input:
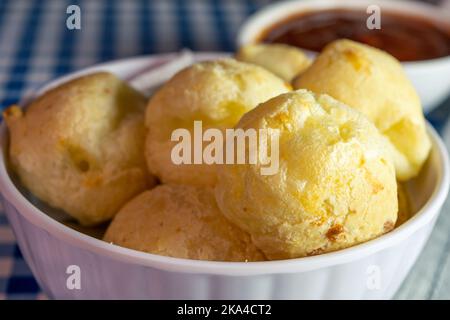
(431, 78)
(372, 270)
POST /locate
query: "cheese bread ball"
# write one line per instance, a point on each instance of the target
(335, 186)
(283, 60)
(79, 147)
(373, 82)
(183, 222)
(217, 93)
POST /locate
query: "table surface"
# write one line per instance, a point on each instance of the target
(36, 46)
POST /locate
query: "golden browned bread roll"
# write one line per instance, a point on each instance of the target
(217, 93)
(79, 147)
(335, 186)
(183, 222)
(283, 60)
(373, 82)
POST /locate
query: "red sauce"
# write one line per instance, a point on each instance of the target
(406, 37)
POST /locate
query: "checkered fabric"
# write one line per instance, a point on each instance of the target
(36, 46)
(16, 280)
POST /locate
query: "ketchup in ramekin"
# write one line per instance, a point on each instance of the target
(406, 37)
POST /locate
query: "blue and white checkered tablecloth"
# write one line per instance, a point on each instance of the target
(36, 46)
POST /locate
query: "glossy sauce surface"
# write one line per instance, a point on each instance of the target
(406, 37)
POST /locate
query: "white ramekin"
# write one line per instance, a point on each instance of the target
(372, 270)
(431, 78)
